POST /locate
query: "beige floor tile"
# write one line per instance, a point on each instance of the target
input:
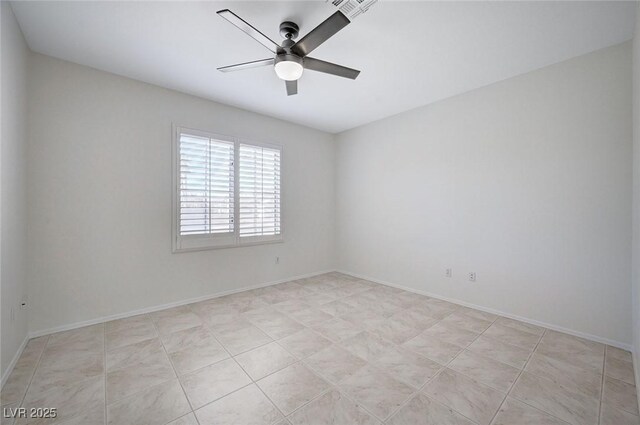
(376, 391)
(169, 312)
(580, 352)
(514, 412)
(619, 369)
(332, 408)
(620, 394)
(505, 353)
(566, 374)
(127, 322)
(330, 328)
(247, 406)
(189, 419)
(463, 321)
(178, 322)
(335, 363)
(265, 360)
(311, 316)
(396, 329)
(131, 335)
(197, 356)
(474, 400)
(192, 349)
(70, 400)
(610, 415)
(407, 366)
(279, 327)
(304, 343)
(244, 339)
(569, 405)
(16, 386)
(292, 387)
(521, 326)
(58, 368)
(452, 334)
(213, 382)
(415, 318)
(336, 308)
(134, 354)
(93, 416)
(493, 373)
(88, 338)
(618, 353)
(365, 318)
(513, 336)
(476, 314)
(421, 410)
(433, 348)
(338, 329)
(159, 404)
(292, 306)
(150, 371)
(366, 345)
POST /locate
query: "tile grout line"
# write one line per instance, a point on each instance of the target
(206, 325)
(519, 375)
(177, 376)
(445, 366)
(604, 365)
(35, 369)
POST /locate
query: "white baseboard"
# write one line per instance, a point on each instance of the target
(7, 372)
(104, 319)
(551, 326)
(636, 372)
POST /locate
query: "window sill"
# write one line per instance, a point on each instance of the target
(234, 245)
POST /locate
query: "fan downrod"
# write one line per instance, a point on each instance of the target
(289, 30)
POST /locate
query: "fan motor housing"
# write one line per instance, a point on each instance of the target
(289, 30)
(290, 57)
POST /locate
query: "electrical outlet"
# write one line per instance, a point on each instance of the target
(447, 272)
(472, 276)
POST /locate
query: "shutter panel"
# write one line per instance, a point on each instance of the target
(206, 186)
(259, 189)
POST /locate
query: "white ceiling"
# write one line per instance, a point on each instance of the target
(410, 53)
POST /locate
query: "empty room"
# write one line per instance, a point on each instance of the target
(347, 212)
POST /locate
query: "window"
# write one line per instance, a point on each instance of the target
(227, 191)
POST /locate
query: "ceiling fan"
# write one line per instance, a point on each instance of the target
(291, 58)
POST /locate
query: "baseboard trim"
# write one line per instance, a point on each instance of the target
(551, 326)
(636, 373)
(104, 319)
(7, 372)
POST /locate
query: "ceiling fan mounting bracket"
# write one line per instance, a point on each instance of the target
(289, 30)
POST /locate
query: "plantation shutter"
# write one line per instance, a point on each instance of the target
(206, 186)
(259, 190)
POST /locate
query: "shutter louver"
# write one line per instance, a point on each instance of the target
(206, 186)
(259, 190)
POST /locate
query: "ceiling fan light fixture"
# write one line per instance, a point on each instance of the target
(288, 67)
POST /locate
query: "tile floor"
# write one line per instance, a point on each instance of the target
(330, 349)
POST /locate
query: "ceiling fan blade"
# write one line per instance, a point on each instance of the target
(292, 87)
(330, 68)
(246, 65)
(320, 34)
(248, 29)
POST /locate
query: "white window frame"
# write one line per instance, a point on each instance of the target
(187, 243)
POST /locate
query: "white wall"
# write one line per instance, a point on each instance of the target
(636, 198)
(100, 197)
(526, 182)
(13, 178)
